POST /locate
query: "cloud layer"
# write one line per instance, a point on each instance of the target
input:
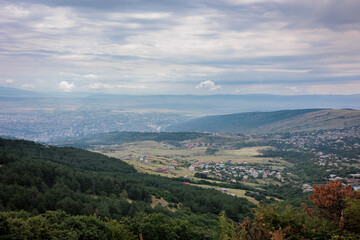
(162, 47)
(208, 84)
(66, 86)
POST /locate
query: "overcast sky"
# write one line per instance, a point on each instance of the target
(181, 47)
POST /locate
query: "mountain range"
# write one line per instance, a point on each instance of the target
(193, 105)
(269, 122)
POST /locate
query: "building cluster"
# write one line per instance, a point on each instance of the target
(189, 144)
(323, 138)
(336, 151)
(54, 125)
(198, 144)
(236, 171)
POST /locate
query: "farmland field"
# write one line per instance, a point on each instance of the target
(152, 149)
(176, 162)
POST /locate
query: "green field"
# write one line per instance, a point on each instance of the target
(158, 151)
(237, 192)
(160, 157)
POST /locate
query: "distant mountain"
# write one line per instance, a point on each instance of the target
(277, 121)
(14, 92)
(19, 93)
(57, 116)
(191, 105)
(201, 105)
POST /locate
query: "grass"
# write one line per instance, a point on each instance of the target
(162, 157)
(152, 148)
(162, 202)
(238, 192)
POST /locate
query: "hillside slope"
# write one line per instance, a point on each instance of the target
(125, 137)
(39, 178)
(278, 121)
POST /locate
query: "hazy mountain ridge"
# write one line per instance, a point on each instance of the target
(14, 92)
(197, 105)
(49, 117)
(277, 121)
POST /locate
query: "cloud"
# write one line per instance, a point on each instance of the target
(112, 86)
(131, 86)
(60, 19)
(17, 11)
(231, 42)
(281, 70)
(66, 86)
(28, 86)
(142, 16)
(75, 57)
(8, 81)
(335, 88)
(198, 74)
(100, 85)
(208, 84)
(91, 76)
(238, 91)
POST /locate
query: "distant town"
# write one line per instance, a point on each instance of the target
(304, 158)
(53, 125)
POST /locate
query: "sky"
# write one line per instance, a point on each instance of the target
(285, 47)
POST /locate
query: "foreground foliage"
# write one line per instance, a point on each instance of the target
(335, 215)
(59, 225)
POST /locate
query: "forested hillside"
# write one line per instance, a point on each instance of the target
(125, 137)
(278, 121)
(38, 179)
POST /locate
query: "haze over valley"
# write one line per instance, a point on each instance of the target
(51, 117)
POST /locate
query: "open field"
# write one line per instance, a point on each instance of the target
(237, 192)
(154, 149)
(175, 162)
(247, 154)
(155, 202)
(156, 158)
(151, 169)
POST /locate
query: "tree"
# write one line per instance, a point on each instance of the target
(227, 229)
(211, 151)
(352, 216)
(331, 200)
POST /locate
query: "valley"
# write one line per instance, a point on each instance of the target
(52, 118)
(198, 180)
(226, 165)
(131, 166)
(244, 163)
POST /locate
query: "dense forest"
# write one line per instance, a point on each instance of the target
(125, 137)
(38, 179)
(66, 193)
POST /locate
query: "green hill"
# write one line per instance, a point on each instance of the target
(125, 137)
(277, 121)
(38, 179)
